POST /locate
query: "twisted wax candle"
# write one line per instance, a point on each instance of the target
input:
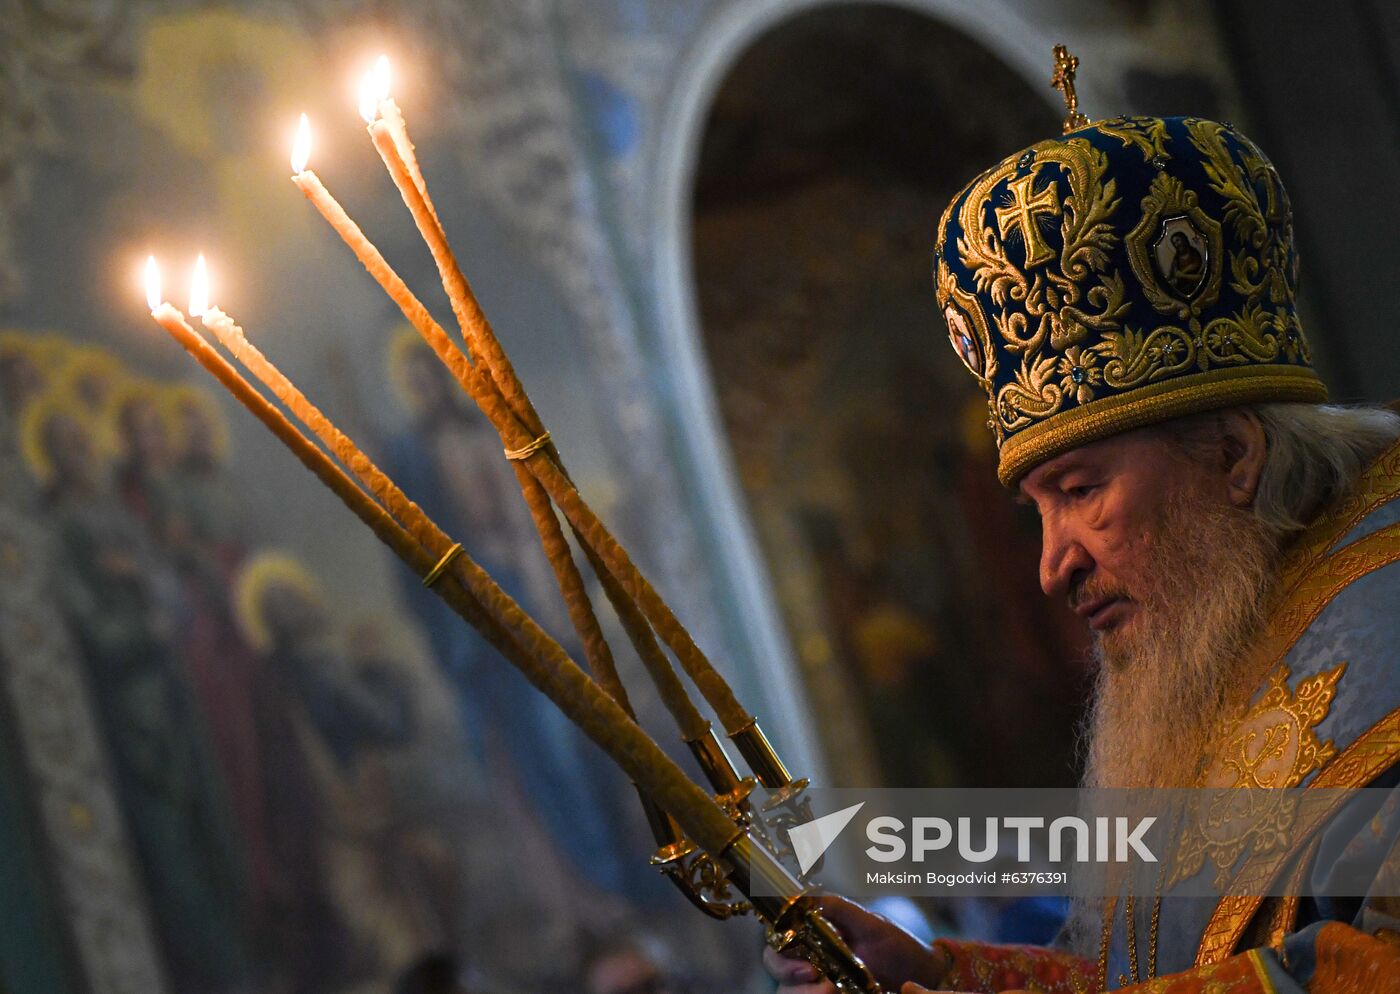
(592, 531)
(541, 661)
(575, 595)
(485, 345)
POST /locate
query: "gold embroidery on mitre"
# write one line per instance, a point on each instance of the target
(1044, 305)
(1057, 314)
(1021, 215)
(1273, 745)
(1149, 134)
(1263, 227)
(1176, 250)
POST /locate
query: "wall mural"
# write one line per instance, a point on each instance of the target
(312, 797)
(267, 758)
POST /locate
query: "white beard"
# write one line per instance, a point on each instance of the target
(1165, 685)
(1167, 681)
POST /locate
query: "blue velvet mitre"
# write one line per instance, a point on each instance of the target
(1130, 271)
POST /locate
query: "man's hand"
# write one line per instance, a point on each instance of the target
(892, 954)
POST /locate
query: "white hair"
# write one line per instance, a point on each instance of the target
(1315, 454)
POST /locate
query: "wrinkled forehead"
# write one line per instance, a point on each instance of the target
(1142, 456)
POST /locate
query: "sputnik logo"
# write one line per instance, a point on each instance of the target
(812, 839)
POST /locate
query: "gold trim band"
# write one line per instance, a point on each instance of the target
(1173, 398)
(526, 451)
(436, 572)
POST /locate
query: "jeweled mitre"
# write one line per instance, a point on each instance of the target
(1130, 271)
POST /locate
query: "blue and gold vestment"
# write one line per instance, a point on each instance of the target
(1327, 715)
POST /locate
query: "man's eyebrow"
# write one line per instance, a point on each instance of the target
(1051, 474)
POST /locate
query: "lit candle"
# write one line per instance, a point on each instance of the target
(479, 388)
(374, 89)
(587, 525)
(387, 125)
(484, 606)
(315, 191)
(376, 105)
(390, 136)
(301, 146)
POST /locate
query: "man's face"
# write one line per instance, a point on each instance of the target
(1153, 544)
(1101, 511)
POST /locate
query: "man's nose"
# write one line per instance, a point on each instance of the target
(1062, 558)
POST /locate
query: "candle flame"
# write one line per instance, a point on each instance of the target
(381, 76)
(301, 146)
(152, 282)
(374, 88)
(199, 288)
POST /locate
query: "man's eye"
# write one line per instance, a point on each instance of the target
(1081, 491)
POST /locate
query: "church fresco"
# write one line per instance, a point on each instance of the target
(301, 774)
(297, 783)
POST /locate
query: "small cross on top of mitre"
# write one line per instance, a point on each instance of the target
(1066, 66)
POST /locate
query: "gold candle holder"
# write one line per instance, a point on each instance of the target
(761, 757)
(715, 763)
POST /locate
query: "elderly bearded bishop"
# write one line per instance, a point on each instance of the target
(1125, 295)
